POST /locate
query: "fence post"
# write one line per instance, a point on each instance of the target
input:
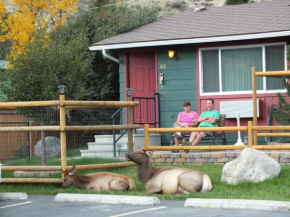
(130, 121)
(250, 134)
(254, 87)
(146, 134)
(62, 132)
(30, 141)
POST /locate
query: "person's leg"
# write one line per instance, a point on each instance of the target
(177, 134)
(176, 141)
(192, 137)
(199, 136)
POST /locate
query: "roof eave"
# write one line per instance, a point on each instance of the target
(190, 41)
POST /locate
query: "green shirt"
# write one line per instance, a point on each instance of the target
(212, 114)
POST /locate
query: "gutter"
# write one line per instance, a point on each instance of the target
(189, 41)
(109, 56)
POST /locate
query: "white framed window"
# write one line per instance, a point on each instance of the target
(228, 70)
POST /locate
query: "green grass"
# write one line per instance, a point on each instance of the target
(271, 189)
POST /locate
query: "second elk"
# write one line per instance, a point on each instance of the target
(98, 181)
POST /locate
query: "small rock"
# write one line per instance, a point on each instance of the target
(52, 147)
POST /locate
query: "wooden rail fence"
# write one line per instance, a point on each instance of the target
(252, 129)
(63, 104)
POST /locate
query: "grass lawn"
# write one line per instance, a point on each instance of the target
(271, 189)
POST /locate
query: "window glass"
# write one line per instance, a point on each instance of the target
(237, 66)
(275, 61)
(210, 66)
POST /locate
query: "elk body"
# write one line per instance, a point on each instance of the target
(168, 180)
(98, 181)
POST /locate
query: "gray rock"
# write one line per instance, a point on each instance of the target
(252, 166)
(52, 147)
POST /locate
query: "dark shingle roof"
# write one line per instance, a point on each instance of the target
(245, 19)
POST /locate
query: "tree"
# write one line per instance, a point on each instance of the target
(67, 60)
(236, 2)
(29, 16)
(64, 58)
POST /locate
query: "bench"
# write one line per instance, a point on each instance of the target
(214, 137)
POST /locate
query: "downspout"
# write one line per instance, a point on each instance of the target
(114, 132)
(109, 57)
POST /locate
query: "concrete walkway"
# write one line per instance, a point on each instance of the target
(265, 205)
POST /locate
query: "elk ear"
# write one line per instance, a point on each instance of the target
(72, 171)
(149, 153)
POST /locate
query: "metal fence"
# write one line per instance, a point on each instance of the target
(60, 118)
(15, 146)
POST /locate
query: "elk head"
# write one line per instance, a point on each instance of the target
(141, 156)
(69, 177)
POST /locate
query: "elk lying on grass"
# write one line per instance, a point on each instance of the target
(168, 180)
(98, 181)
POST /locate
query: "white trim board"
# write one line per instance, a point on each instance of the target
(189, 41)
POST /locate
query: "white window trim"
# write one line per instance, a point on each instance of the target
(220, 73)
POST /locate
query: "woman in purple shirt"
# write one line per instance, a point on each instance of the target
(187, 118)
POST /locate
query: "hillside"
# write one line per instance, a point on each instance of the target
(166, 7)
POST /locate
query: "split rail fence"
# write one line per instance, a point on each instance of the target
(62, 129)
(253, 129)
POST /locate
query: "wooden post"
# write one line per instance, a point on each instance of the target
(130, 121)
(62, 134)
(146, 136)
(254, 87)
(250, 134)
(31, 147)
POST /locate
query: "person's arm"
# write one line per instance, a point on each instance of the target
(194, 124)
(213, 119)
(201, 119)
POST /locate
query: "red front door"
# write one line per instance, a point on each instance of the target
(142, 79)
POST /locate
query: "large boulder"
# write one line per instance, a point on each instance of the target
(52, 147)
(251, 166)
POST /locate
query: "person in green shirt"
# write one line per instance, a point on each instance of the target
(209, 118)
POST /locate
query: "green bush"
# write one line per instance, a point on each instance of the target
(236, 2)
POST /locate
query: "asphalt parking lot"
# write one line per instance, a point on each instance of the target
(45, 206)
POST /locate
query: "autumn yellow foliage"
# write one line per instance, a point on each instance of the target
(29, 16)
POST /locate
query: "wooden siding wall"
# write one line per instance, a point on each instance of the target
(266, 101)
(122, 80)
(179, 84)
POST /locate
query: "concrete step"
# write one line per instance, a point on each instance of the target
(92, 146)
(103, 145)
(109, 138)
(102, 154)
